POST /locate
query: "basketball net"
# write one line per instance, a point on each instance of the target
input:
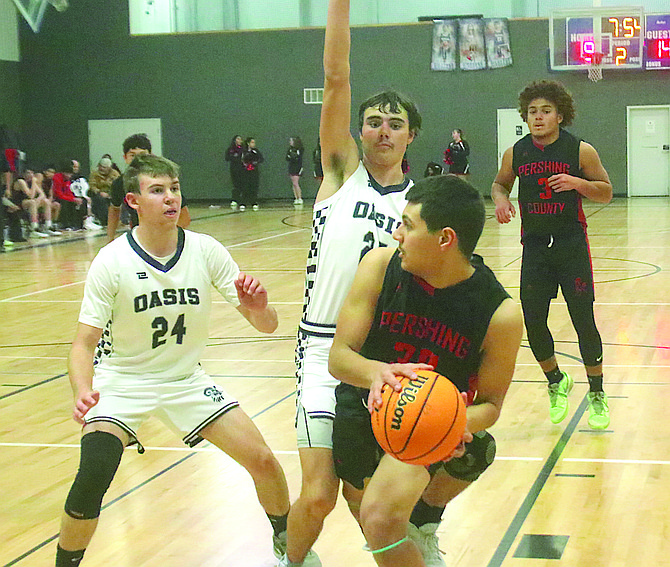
(596, 67)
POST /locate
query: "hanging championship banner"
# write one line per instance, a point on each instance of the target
(444, 46)
(498, 51)
(471, 44)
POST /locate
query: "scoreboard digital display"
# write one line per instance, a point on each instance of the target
(657, 42)
(620, 41)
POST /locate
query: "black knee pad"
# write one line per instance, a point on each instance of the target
(99, 458)
(479, 454)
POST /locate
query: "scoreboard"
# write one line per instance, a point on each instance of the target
(625, 37)
(657, 42)
(576, 36)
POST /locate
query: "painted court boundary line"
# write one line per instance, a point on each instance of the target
(142, 484)
(534, 492)
(211, 449)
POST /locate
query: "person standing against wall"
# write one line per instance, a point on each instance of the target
(234, 158)
(251, 158)
(294, 158)
(456, 154)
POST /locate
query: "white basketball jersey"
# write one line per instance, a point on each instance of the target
(155, 312)
(360, 216)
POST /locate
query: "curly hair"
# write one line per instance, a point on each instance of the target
(554, 92)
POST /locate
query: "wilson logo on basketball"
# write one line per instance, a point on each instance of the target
(407, 396)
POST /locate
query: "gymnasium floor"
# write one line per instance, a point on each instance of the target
(557, 495)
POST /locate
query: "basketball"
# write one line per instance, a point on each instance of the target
(424, 422)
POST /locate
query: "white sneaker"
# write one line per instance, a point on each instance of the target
(233, 205)
(36, 233)
(242, 208)
(90, 224)
(426, 540)
(216, 206)
(255, 207)
(297, 201)
(311, 560)
(52, 232)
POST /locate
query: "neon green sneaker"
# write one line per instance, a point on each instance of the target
(558, 398)
(599, 411)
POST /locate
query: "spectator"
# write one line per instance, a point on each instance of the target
(234, 157)
(47, 181)
(41, 201)
(80, 189)
(433, 169)
(294, 159)
(100, 188)
(73, 209)
(251, 157)
(456, 154)
(316, 160)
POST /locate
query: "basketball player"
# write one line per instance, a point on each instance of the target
(142, 328)
(357, 208)
(133, 146)
(429, 304)
(555, 170)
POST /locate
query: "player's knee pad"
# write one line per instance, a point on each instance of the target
(99, 459)
(479, 454)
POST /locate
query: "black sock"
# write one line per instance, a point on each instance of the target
(278, 523)
(554, 376)
(68, 558)
(425, 514)
(595, 383)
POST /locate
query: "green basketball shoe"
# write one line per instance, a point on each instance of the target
(558, 398)
(599, 411)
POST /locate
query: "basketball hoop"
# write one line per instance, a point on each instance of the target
(596, 67)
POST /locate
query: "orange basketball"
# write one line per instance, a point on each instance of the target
(424, 422)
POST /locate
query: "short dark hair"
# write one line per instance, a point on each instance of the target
(554, 92)
(149, 165)
(141, 141)
(392, 101)
(449, 201)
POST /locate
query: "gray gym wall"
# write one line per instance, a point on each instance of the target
(206, 87)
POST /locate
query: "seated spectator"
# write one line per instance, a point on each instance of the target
(80, 187)
(23, 199)
(12, 214)
(40, 202)
(100, 188)
(73, 208)
(433, 169)
(114, 166)
(47, 177)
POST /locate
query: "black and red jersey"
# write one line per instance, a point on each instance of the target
(545, 212)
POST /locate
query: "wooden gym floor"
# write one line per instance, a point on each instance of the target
(557, 495)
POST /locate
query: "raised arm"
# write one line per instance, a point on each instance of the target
(502, 187)
(339, 152)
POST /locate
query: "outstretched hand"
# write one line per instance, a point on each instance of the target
(251, 292)
(83, 403)
(388, 374)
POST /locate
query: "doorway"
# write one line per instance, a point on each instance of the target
(511, 128)
(106, 137)
(648, 130)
